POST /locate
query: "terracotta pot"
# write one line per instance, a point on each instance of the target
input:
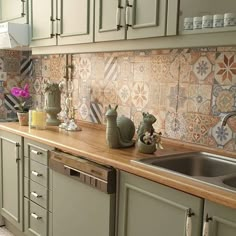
(23, 118)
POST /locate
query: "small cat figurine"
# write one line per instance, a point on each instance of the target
(146, 124)
(119, 130)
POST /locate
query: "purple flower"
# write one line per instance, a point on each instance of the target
(23, 95)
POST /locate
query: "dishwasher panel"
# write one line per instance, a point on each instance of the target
(83, 196)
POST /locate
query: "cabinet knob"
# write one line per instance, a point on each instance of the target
(189, 222)
(35, 216)
(35, 173)
(205, 231)
(34, 194)
(36, 152)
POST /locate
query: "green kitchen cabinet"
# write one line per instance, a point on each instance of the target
(134, 19)
(148, 208)
(62, 22)
(14, 10)
(221, 220)
(37, 189)
(11, 178)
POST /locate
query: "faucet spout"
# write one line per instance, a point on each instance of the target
(227, 116)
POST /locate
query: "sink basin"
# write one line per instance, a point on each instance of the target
(230, 182)
(194, 164)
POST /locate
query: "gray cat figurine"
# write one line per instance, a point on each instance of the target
(119, 130)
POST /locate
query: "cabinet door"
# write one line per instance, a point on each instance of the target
(146, 18)
(221, 219)
(11, 178)
(75, 21)
(14, 11)
(148, 208)
(42, 22)
(109, 14)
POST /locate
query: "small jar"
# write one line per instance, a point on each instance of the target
(207, 21)
(37, 119)
(229, 19)
(197, 22)
(218, 20)
(188, 23)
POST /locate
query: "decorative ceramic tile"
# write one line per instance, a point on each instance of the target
(3, 76)
(83, 68)
(96, 112)
(110, 70)
(224, 99)
(45, 68)
(12, 54)
(37, 85)
(11, 65)
(198, 128)
(57, 67)
(184, 67)
(140, 94)
(182, 97)
(175, 125)
(202, 67)
(225, 72)
(97, 67)
(142, 71)
(168, 96)
(199, 98)
(1, 64)
(37, 67)
(222, 134)
(84, 110)
(26, 67)
(97, 92)
(125, 68)
(110, 93)
(124, 94)
(226, 49)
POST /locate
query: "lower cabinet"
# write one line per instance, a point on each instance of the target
(221, 220)
(11, 178)
(148, 208)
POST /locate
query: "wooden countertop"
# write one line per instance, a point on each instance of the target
(90, 143)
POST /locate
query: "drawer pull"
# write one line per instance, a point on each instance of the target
(35, 173)
(34, 194)
(35, 216)
(36, 152)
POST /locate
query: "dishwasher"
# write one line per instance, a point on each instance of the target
(83, 196)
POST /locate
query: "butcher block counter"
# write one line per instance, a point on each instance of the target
(90, 143)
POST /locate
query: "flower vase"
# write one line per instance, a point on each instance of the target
(23, 118)
(146, 148)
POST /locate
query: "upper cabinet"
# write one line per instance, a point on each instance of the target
(14, 11)
(133, 19)
(63, 22)
(207, 8)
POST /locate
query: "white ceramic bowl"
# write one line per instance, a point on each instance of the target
(229, 19)
(207, 21)
(218, 20)
(197, 22)
(188, 23)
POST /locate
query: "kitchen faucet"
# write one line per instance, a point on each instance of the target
(227, 116)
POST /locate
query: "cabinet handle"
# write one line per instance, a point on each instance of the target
(35, 216)
(189, 222)
(17, 152)
(58, 26)
(23, 8)
(35, 173)
(128, 6)
(52, 27)
(118, 17)
(36, 152)
(34, 194)
(205, 231)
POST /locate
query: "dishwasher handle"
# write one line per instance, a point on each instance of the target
(107, 185)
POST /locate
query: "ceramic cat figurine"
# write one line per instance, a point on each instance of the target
(146, 124)
(119, 130)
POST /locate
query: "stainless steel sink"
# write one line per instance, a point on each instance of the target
(202, 166)
(230, 181)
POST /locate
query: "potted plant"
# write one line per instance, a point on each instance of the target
(24, 104)
(149, 142)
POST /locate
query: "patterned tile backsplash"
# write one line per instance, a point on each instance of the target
(15, 70)
(186, 89)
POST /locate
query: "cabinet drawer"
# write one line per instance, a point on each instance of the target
(38, 173)
(37, 220)
(36, 151)
(38, 194)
